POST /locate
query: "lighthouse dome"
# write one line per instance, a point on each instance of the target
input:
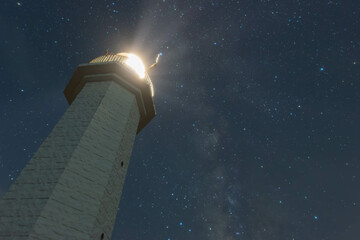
(131, 61)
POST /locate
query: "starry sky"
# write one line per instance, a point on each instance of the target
(257, 130)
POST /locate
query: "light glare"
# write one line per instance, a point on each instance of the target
(136, 64)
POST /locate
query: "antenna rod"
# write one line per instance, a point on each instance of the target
(156, 62)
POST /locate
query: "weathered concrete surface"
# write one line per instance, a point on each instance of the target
(72, 186)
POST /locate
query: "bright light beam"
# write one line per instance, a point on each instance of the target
(136, 64)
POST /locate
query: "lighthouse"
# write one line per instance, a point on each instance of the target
(71, 187)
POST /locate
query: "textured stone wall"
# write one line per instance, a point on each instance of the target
(72, 186)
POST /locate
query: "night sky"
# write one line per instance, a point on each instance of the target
(257, 133)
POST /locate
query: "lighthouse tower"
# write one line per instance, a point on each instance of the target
(71, 187)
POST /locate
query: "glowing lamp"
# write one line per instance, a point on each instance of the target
(136, 64)
(130, 60)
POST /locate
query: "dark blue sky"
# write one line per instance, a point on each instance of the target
(257, 130)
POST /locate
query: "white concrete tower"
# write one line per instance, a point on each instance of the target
(71, 187)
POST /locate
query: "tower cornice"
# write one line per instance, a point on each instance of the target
(122, 75)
